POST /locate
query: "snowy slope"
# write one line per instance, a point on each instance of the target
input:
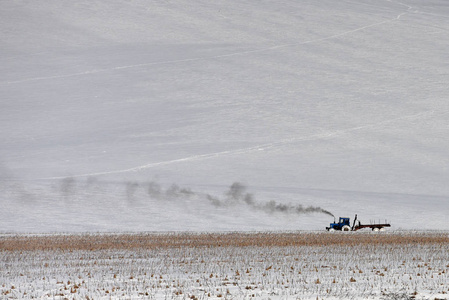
(340, 105)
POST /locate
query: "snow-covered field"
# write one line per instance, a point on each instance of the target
(226, 266)
(141, 115)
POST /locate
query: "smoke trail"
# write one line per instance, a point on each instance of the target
(68, 187)
(131, 188)
(154, 190)
(236, 191)
(272, 206)
(174, 191)
(237, 195)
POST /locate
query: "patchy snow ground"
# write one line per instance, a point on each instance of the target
(363, 271)
(340, 105)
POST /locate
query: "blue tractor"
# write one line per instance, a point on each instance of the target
(342, 225)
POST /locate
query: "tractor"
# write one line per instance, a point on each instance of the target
(342, 225)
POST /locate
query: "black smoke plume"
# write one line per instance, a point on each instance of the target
(237, 195)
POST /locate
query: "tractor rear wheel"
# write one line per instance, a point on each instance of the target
(346, 228)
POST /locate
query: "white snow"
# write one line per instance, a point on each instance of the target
(336, 104)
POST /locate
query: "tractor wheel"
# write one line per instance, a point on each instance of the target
(331, 229)
(346, 228)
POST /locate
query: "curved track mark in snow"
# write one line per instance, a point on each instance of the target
(216, 56)
(262, 147)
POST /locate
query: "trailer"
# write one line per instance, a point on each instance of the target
(374, 226)
(344, 224)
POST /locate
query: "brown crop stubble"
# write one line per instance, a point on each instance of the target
(193, 240)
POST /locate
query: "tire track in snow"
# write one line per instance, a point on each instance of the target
(96, 71)
(261, 147)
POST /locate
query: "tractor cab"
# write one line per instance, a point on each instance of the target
(343, 224)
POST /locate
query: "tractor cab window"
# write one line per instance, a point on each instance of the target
(343, 221)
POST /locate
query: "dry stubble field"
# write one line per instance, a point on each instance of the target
(280, 265)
